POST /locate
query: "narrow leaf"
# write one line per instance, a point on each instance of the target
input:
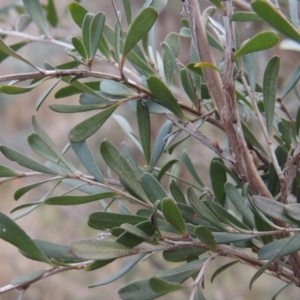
(15, 235)
(25, 161)
(164, 96)
(86, 38)
(292, 81)
(28, 277)
(36, 12)
(272, 15)
(127, 9)
(206, 237)
(143, 119)
(218, 179)
(8, 51)
(96, 29)
(100, 249)
(45, 137)
(206, 65)
(88, 127)
(114, 88)
(269, 90)
(152, 187)
(262, 41)
(161, 286)
(78, 12)
(121, 273)
(221, 269)
(45, 94)
(172, 214)
(76, 200)
(116, 161)
(245, 16)
(106, 220)
(51, 13)
(139, 27)
(8, 172)
(84, 154)
(79, 47)
(160, 143)
(190, 166)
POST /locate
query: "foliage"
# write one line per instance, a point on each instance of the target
(251, 201)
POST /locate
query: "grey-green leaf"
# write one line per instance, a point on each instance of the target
(15, 235)
(117, 162)
(173, 215)
(139, 27)
(164, 96)
(28, 277)
(206, 237)
(100, 249)
(88, 127)
(269, 90)
(24, 160)
(8, 172)
(36, 12)
(161, 286)
(114, 88)
(143, 119)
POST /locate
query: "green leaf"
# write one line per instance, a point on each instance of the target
(121, 273)
(190, 166)
(169, 63)
(114, 88)
(272, 15)
(51, 13)
(117, 162)
(100, 249)
(164, 96)
(47, 140)
(206, 65)
(218, 179)
(135, 231)
(8, 172)
(272, 209)
(262, 41)
(79, 47)
(143, 119)
(106, 220)
(60, 253)
(41, 148)
(161, 286)
(141, 289)
(165, 168)
(245, 16)
(240, 204)
(269, 90)
(36, 12)
(177, 193)
(23, 190)
(152, 187)
(292, 81)
(183, 254)
(251, 138)
(95, 32)
(88, 127)
(78, 12)
(76, 200)
(86, 37)
(172, 214)
(84, 154)
(139, 27)
(221, 269)
(15, 235)
(70, 109)
(28, 277)
(127, 9)
(227, 238)
(14, 47)
(187, 84)
(25, 161)
(159, 144)
(206, 237)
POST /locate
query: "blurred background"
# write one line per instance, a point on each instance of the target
(63, 224)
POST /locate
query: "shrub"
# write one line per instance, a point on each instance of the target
(246, 199)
